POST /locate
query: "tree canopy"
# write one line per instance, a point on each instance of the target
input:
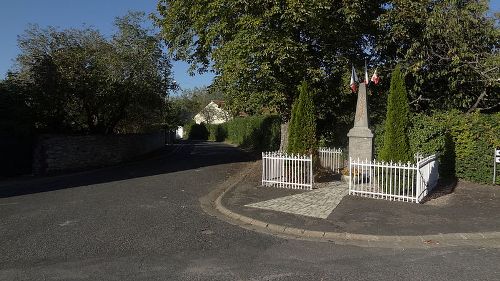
(449, 48)
(76, 80)
(261, 50)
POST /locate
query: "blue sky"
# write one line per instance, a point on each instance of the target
(15, 15)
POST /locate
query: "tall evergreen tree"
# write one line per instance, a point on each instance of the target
(302, 131)
(396, 143)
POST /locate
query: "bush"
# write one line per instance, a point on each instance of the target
(195, 131)
(396, 144)
(217, 132)
(465, 142)
(260, 133)
(302, 132)
(474, 136)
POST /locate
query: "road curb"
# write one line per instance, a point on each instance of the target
(346, 238)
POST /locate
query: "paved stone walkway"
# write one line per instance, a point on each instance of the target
(318, 203)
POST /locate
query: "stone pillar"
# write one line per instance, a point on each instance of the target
(360, 136)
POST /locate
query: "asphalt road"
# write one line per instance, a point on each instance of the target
(143, 221)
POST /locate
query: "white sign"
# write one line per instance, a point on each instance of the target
(497, 159)
(497, 152)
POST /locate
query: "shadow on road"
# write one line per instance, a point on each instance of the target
(179, 157)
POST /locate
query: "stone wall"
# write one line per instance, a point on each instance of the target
(57, 153)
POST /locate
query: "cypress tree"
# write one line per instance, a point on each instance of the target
(302, 130)
(396, 143)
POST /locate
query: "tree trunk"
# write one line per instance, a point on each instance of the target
(476, 104)
(284, 136)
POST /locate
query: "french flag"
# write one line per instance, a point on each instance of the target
(354, 81)
(375, 79)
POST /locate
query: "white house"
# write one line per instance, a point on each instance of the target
(213, 113)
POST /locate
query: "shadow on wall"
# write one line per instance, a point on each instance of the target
(186, 155)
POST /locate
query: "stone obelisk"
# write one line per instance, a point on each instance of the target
(360, 136)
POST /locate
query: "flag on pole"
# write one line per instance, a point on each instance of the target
(354, 80)
(375, 79)
(366, 74)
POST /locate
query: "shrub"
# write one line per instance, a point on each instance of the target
(302, 131)
(195, 131)
(465, 142)
(217, 132)
(260, 133)
(396, 145)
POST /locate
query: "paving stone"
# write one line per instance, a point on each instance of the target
(318, 203)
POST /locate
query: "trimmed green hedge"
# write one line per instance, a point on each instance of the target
(260, 133)
(194, 131)
(217, 132)
(465, 141)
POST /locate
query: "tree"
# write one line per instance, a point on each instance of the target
(396, 143)
(190, 102)
(261, 50)
(450, 50)
(302, 138)
(16, 118)
(79, 81)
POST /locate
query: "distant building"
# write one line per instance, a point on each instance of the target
(213, 113)
(179, 133)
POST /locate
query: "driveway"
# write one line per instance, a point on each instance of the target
(143, 221)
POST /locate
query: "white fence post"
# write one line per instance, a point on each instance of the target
(350, 176)
(331, 158)
(393, 181)
(289, 171)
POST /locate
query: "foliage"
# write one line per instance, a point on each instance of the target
(16, 130)
(16, 118)
(260, 132)
(450, 50)
(302, 131)
(79, 81)
(189, 103)
(396, 143)
(195, 131)
(217, 132)
(261, 49)
(465, 140)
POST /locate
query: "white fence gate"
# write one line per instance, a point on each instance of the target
(331, 158)
(394, 181)
(288, 171)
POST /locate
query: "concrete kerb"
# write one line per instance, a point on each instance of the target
(344, 238)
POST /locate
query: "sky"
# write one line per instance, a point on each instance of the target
(15, 15)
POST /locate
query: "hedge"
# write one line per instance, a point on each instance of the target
(465, 141)
(260, 133)
(217, 132)
(194, 131)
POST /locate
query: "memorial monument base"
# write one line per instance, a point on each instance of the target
(360, 144)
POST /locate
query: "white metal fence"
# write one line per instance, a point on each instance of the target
(331, 158)
(393, 181)
(288, 171)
